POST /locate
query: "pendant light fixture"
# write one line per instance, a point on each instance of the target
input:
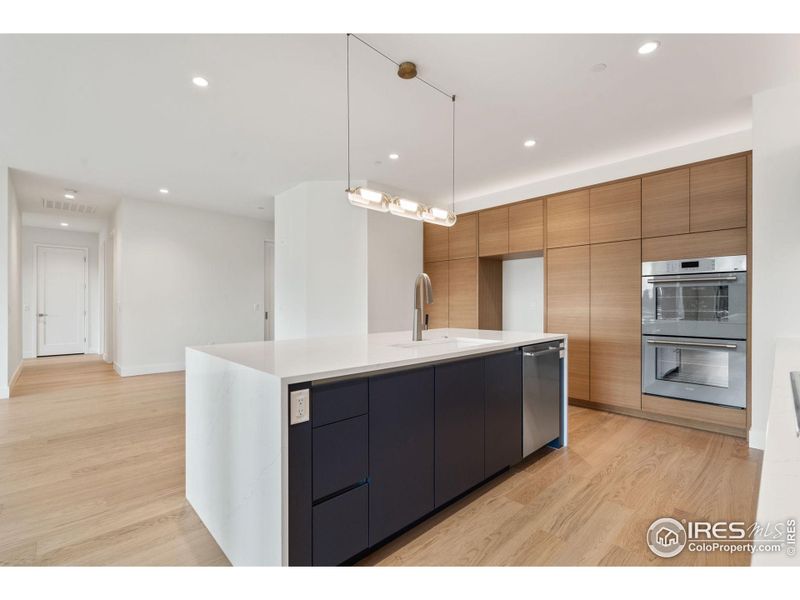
(381, 201)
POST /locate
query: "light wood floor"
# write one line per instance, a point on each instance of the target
(91, 473)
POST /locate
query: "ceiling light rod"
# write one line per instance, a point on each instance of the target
(380, 201)
(397, 64)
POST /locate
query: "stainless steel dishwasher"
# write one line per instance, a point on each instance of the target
(541, 395)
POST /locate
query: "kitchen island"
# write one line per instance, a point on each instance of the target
(313, 451)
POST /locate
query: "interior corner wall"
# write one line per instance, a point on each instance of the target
(33, 236)
(320, 262)
(776, 243)
(14, 285)
(394, 259)
(183, 277)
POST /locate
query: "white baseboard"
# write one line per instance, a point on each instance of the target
(106, 358)
(132, 371)
(29, 354)
(757, 438)
(5, 390)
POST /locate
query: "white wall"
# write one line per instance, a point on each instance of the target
(340, 269)
(183, 277)
(320, 262)
(523, 294)
(776, 238)
(10, 298)
(31, 236)
(394, 259)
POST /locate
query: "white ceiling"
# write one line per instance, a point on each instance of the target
(118, 114)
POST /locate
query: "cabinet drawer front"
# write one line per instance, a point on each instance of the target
(340, 527)
(340, 455)
(338, 401)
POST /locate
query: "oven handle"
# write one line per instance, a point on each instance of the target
(695, 344)
(690, 279)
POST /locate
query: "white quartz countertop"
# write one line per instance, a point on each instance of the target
(311, 359)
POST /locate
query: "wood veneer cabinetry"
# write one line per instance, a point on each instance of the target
(615, 212)
(568, 219)
(463, 293)
(526, 227)
(464, 237)
(616, 324)
(438, 310)
(719, 195)
(665, 203)
(434, 243)
(727, 242)
(568, 304)
(493, 231)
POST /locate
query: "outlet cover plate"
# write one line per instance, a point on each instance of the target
(299, 406)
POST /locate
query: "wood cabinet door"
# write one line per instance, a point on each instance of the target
(719, 195)
(401, 413)
(568, 279)
(526, 227)
(438, 310)
(568, 219)
(615, 211)
(665, 203)
(616, 336)
(503, 401)
(463, 293)
(493, 231)
(459, 424)
(464, 237)
(434, 242)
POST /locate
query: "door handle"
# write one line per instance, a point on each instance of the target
(541, 352)
(691, 279)
(42, 314)
(695, 344)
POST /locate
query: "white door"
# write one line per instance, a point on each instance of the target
(269, 277)
(61, 300)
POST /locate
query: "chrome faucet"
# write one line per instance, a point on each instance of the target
(423, 294)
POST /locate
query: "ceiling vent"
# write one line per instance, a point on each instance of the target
(69, 206)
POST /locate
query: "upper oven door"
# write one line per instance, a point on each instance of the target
(712, 305)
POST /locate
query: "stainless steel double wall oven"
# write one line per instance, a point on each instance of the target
(694, 329)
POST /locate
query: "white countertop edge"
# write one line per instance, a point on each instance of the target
(237, 353)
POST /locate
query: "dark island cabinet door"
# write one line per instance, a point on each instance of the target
(459, 428)
(401, 412)
(503, 397)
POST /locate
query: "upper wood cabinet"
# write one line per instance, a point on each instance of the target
(434, 242)
(438, 310)
(616, 339)
(464, 237)
(493, 231)
(568, 278)
(615, 211)
(463, 293)
(719, 195)
(665, 203)
(526, 226)
(568, 219)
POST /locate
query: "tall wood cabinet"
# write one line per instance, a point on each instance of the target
(616, 335)
(568, 304)
(463, 293)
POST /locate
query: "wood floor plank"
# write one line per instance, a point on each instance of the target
(92, 473)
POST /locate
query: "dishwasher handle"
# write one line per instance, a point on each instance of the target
(541, 352)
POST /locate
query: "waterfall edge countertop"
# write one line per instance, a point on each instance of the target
(309, 359)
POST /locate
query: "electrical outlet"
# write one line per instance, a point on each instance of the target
(299, 406)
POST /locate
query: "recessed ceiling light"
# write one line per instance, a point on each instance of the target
(394, 156)
(70, 194)
(529, 143)
(163, 191)
(649, 47)
(65, 224)
(200, 81)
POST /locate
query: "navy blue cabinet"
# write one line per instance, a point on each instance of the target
(459, 428)
(503, 401)
(340, 527)
(401, 413)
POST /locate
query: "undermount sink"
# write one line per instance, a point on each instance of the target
(455, 342)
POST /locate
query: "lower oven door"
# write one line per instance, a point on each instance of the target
(699, 369)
